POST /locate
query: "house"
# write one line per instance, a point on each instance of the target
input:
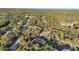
(26, 17)
(8, 32)
(44, 19)
(36, 28)
(68, 24)
(40, 40)
(48, 31)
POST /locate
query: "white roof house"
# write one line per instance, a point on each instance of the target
(68, 24)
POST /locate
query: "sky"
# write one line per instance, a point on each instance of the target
(39, 4)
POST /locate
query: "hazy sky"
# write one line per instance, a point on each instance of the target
(39, 3)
